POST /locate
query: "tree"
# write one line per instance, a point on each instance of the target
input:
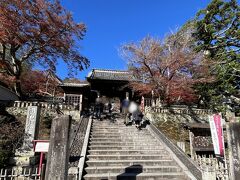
(11, 135)
(43, 83)
(35, 82)
(38, 31)
(169, 69)
(218, 35)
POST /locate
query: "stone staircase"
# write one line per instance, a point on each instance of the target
(116, 151)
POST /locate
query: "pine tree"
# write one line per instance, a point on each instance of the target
(218, 35)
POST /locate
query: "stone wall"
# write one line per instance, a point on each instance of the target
(46, 117)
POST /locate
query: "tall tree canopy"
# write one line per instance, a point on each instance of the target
(38, 31)
(218, 35)
(169, 69)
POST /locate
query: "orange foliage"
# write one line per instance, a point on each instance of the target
(168, 70)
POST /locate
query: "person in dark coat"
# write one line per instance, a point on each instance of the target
(137, 118)
(98, 107)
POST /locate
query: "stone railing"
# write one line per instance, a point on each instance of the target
(47, 105)
(191, 169)
(154, 105)
(178, 110)
(213, 168)
(78, 132)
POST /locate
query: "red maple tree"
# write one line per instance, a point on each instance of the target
(35, 82)
(38, 31)
(168, 70)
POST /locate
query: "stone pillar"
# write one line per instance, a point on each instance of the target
(191, 143)
(181, 145)
(25, 155)
(209, 173)
(230, 116)
(233, 130)
(58, 153)
(80, 103)
(31, 127)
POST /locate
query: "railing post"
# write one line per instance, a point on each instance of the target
(209, 173)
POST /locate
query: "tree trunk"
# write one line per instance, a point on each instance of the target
(17, 87)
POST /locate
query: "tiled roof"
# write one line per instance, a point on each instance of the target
(74, 84)
(110, 75)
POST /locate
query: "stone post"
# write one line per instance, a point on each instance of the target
(25, 155)
(31, 127)
(181, 145)
(233, 130)
(58, 153)
(209, 174)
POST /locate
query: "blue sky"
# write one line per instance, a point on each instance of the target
(111, 23)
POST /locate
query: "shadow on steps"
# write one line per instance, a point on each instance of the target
(131, 172)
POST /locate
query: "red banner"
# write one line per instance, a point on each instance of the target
(142, 104)
(215, 122)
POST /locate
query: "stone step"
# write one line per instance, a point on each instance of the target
(136, 141)
(108, 124)
(111, 127)
(149, 151)
(124, 143)
(137, 147)
(119, 130)
(116, 151)
(114, 138)
(130, 157)
(122, 139)
(114, 128)
(119, 134)
(132, 169)
(105, 136)
(131, 131)
(98, 163)
(136, 176)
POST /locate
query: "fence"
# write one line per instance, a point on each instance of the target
(47, 105)
(21, 173)
(155, 106)
(211, 165)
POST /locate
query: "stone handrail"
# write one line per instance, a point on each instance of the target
(187, 164)
(47, 105)
(84, 149)
(77, 138)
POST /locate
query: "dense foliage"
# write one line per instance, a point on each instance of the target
(218, 35)
(38, 32)
(169, 70)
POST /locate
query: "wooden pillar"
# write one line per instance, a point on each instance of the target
(58, 153)
(80, 103)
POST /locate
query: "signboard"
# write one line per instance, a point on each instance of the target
(41, 146)
(215, 122)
